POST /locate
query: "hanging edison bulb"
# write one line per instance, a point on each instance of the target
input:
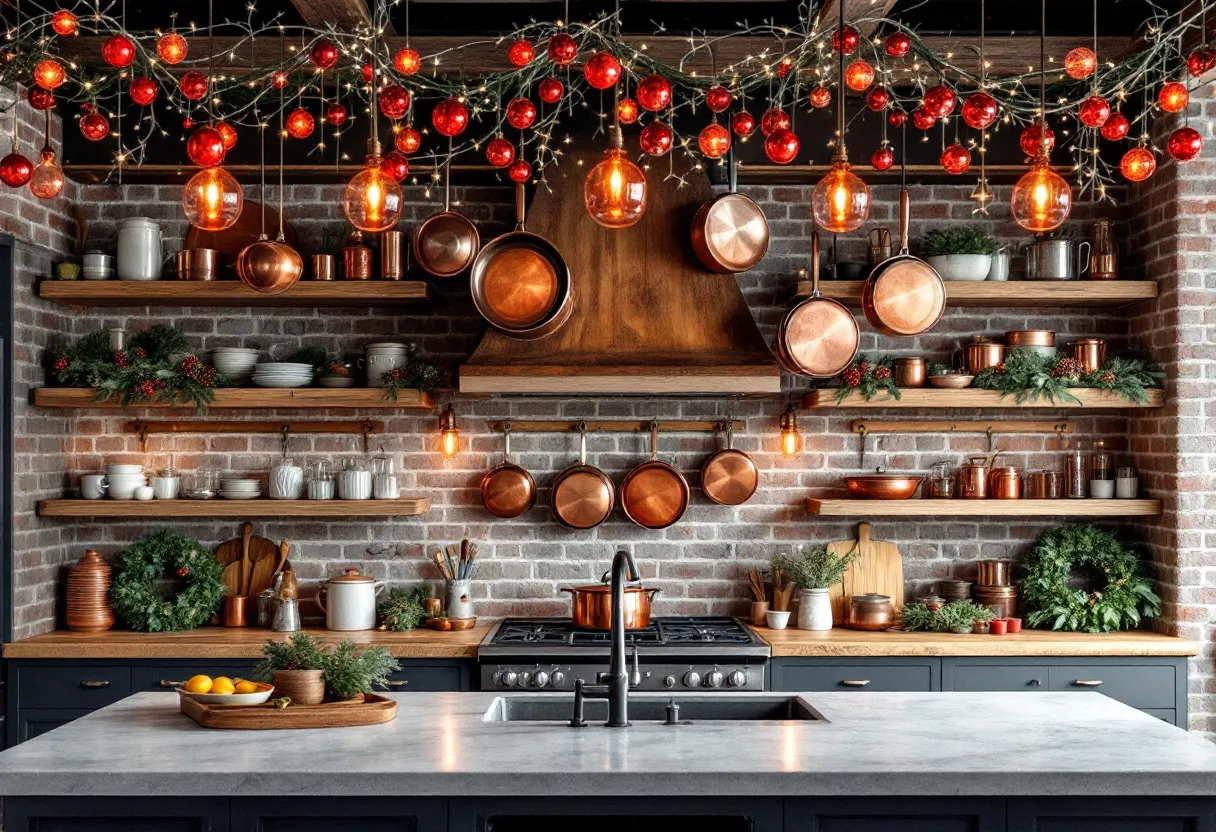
(615, 190)
(47, 179)
(841, 201)
(1041, 199)
(372, 199)
(212, 199)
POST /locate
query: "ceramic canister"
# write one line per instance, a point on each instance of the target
(349, 601)
(139, 249)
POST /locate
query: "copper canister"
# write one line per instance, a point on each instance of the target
(1002, 599)
(392, 255)
(1005, 483)
(910, 371)
(1043, 485)
(980, 354)
(992, 573)
(1104, 256)
(1091, 352)
(357, 259)
(973, 479)
(1030, 338)
(323, 267)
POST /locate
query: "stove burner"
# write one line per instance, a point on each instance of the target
(662, 631)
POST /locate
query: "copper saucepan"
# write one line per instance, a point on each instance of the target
(446, 243)
(903, 295)
(819, 336)
(582, 496)
(730, 232)
(729, 477)
(591, 606)
(654, 494)
(507, 490)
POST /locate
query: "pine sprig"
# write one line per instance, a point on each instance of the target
(402, 610)
(1027, 375)
(416, 375)
(868, 376)
(919, 616)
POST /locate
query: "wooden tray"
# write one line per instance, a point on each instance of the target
(372, 710)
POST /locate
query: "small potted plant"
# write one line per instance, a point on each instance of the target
(303, 671)
(812, 570)
(959, 617)
(959, 253)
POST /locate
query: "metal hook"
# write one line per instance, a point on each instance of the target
(989, 432)
(368, 429)
(285, 431)
(143, 437)
(861, 431)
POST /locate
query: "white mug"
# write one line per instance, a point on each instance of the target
(166, 488)
(93, 486)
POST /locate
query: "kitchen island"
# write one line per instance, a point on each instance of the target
(875, 761)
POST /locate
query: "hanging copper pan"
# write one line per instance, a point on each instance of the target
(507, 490)
(654, 494)
(582, 496)
(730, 232)
(446, 243)
(819, 336)
(903, 295)
(729, 477)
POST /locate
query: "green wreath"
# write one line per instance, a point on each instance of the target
(138, 603)
(1121, 603)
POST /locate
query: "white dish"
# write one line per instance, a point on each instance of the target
(232, 698)
(284, 365)
(281, 383)
(240, 495)
(336, 381)
(124, 469)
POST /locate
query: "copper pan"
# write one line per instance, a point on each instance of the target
(582, 496)
(729, 477)
(903, 295)
(446, 243)
(730, 232)
(507, 490)
(654, 495)
(819, 336)
(591, 606)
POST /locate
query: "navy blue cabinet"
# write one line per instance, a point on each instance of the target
(116, 814)
(896, 674)
(901, 814)
(1174, 814)
(361, 814)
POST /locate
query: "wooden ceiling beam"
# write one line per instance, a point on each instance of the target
(341, 14)
(855, 10)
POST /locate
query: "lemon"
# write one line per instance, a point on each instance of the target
(246, 687)
(199, 684)
(222, 685)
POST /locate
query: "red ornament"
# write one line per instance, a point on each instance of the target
(279, 80)
(324, 54)
(41, 99)
(1185, 144)
(450, 117)
(1080, 63)
(118, 51)
(521, 113)
(1201, 61)
(550, 90)
(228, 134)
(858, 75)
(394, 101)
(656, 138)
(520, 171)
(187, 123)
(408, 140)
(521, 54)
(922, 119)
(182, 571)
(718, 98)
(406, 61)
(627, 111)
(16, 170)
(877, 99)
(956, 159)
(143, 91)
(602, 70)
(395, 165)
(94, 126)
(562, 50)
(1094, 111)
(1031, 141)
(193, 85)
(1116, 128)
(847, 37)
(774, 120)
(500, 152)
(980, 110)
(820, 97)
(172, 48)
(49, 74)
(784, 67)
(654, 92)
(64, 23)
(781, 146)
(1138, 164)
(714, 140)
(897, 44)
(335, 114)
(897, 118)
(1173, 97)
(367, 71)
(883, 158)
(205, 147)
(300, 123)
(940, 101)
(743, 123)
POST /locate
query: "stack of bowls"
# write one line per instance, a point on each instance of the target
(953, 590)
(124, 479)
(282, 374)
(381, 358)
(993, 587)
(238, 488)
(235, 363)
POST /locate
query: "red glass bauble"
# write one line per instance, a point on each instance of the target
(1138, 164)
(781, 146)
(858, 75)
(228, 134)
(1031, 142)
(521, 53)
(394, 101)
(877, 99)
(1201, 61)
(897, 118)
(94, 126)
(64, 23)
(143, 91)
(187, 123)
(714, 140)
(956, 159)
(654, 92)
(16, 170)
(627, 111)
(118, 51)
(395, 165)
(324, 54)
(408, 139)
(520, 171)
(279, 80)
(820, 97)
(656, 138)
(562, 49)
(897, 44)
(335, 114)
(922, 119)
(773, 120)
(406, 61)
(500, 152)
(49, 74)
(367, 72)
(205, 147)
(193, 85)
(980, 110)
(1094, 111)
(847, 37)
(1080, 62)
(718, 98)
(883, 158)
(602, 70)
(41, 99)
(784, 67)
(172, 48)
(1185, 144)
(940, 101)
(743, 123)
(521, 113)
(300, 123)
(550, 90)
(450, 117)
(1116, 128)
(1173, 97)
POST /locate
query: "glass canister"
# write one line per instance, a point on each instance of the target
(1076, 466)
(354, 480)
(940, 484)
(384, 479)
(320, 481)
(286, 480)
(1101, 462)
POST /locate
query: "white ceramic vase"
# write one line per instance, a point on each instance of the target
(286, 482)
(814, 610)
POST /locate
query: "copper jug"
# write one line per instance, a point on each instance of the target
(356, 258)
(1104, 254)
(973, 479)
(979, 354)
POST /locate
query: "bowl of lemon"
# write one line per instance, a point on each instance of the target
(224, 691)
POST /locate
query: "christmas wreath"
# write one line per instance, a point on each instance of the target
(1028, 375)
(1123, 599)
(142, 607)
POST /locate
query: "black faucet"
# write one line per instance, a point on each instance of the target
(613, 685)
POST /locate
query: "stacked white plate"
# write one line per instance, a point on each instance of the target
(282, 374)
(234, 488)
(235, 363)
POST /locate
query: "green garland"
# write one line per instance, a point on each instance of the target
(1122, 602)
(867, 376)
(1028, 375)
(402, 610)
(920, 616)
(153, 557)
(416, 375)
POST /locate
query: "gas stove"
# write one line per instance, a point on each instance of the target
(712, 653)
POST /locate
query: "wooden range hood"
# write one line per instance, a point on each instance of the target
(647, 319)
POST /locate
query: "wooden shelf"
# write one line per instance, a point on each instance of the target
(320, 509)
(999, 293)
(983, 508)
(932, 397)
(253, 398)
(231, 293)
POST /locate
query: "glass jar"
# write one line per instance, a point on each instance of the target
(202, 484)
(384, 479)
(354, 480)
(1076, 472)
(286, 480)
(320, 481)
(1101, 462)
(940, 485)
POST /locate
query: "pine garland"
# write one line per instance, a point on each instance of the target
(920, 616)
(1027, 375)
(416, 375)
(867, 376)
(138, 603)
(402, 610)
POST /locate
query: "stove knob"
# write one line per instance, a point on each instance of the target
(714, 679)
(558, 679)
(524, 676)
(508, 678)
(737, 679)
(539, 679)
(692, 679)
(669, 681)
(496, 678)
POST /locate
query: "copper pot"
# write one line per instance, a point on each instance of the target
(818, 337)
(973, 479)
(882, 486)
(582, 496)
(910, 371)
(508, 490)
(446, 243)
(729, 477)
(870, 612)
(730, 232)
(1091, 352)
(903, 295)
(654, 494)
(591, 606)
(198, 264)
(323, 267)
(1005, 483)
(269, 266)
(1030, 338)
(980, 353)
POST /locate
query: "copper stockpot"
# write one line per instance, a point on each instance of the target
(993, 572)
(591, 606)
(1003, 599)
(582, 496)
(910, 371)
(198, 264)
(507, 490)
(870, 612)
(973, 479)
(980, 353)
(882, 486)
(730, 232)
(1005, 483)
(1091, 352)
(654, 494)
(729, 477)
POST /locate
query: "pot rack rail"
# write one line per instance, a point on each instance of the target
(867, 427)
(367, 428)
(615, 426)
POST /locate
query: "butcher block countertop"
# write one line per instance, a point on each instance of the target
(861, 644)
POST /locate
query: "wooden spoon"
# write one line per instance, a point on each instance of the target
(246, 566)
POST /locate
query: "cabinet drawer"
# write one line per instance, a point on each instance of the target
(859, 676)
(429, 677)
(168, 677)
(1141, 686)
(1164, 714)
(988, 677)
(73, 686)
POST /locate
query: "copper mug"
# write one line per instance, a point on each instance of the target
(1005, 483)
(980, 354)
(323, 267)
(1091, 352)
(910, 371)
(973, 479)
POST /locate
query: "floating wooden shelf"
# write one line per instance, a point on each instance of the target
(998, 293)
(322, 509)
(231, 293)
(929, 397)
(253, 398)
(983, 508)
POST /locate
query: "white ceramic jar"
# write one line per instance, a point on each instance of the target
(814, 610)
(349, 601)
(354, 485)
(384, 357)
(286, 481)
(139, 249)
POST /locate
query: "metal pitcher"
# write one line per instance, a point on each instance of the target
(1000, 264)
(1104, 261)
(1056, 260)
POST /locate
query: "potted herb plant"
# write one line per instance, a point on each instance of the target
(812, 570)
(959, 617)
(302, 670)
(959, 253)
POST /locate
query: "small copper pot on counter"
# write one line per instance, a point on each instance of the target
(979, 354)
(910, 371)
(1005, 483)
(870, 612)
(1091, 352)
(591, 606)
(993, 572)
(973, 479)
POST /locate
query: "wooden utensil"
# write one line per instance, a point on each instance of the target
(265, 565)
(229, 554)
(877, 568)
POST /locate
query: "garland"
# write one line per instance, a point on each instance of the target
(416, 375)
(153, 557)
(1125, 598)
(920, 616)
(1028, 375)
(867, 376)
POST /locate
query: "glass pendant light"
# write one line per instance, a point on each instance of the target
(841, 201)
(615, 190)
(449, 434)
(47, 180)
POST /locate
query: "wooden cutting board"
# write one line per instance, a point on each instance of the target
(878, 568)
(229, 554)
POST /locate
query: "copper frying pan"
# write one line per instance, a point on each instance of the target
(819, 336)
(507, 490)
(654, 495)
(729, 477)
(582, 496)
(446, 243)
(730, 232)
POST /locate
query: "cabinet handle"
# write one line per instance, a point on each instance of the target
(170, 683)
(399, 684)
(1086, 683)
(854, 683)
(95, 683)
(1035, 683)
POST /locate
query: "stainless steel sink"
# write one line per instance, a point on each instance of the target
(653, 708)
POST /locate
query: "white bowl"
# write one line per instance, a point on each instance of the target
(124, 469)
(961, 266)
(282, 383)
(240, 495)
(231, 698)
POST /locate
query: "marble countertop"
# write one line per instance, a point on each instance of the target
(439, 745)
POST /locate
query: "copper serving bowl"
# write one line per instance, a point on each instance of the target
(882, 486)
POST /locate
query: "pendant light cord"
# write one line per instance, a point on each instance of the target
(1043, 77)
(841, 155)
(282, 237)
(210, 61)
(374, 147)
(262, 166)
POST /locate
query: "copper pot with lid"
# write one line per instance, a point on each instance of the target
(729, 477)
(582, 496)
(1005, 483)
(870, 612)
(591, 605)
(507, 490)
(1091, 352)
(654, 494)
(979, 354)
(973, 479)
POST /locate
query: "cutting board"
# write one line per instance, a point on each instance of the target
(878, 568)
(260, 548)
